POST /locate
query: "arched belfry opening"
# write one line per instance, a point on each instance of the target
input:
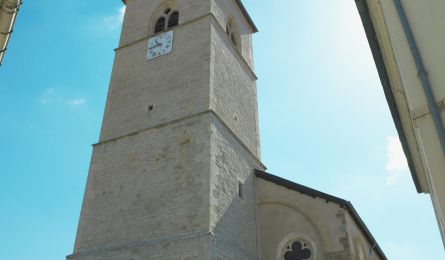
(167, 17)
(233, 32)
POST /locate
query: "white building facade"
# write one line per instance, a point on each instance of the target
(407, 38)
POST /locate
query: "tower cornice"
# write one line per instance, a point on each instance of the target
(243, 10)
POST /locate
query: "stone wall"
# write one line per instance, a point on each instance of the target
(150, 186)
(176, 84)
(182, 248)
(142, 14)
(180, 133)
(283, 212)
(233, 94)
(225, 9)
(232, 212)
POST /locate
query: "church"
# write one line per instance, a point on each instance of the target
(177, 172)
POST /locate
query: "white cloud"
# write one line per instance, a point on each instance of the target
(76, 102)
(114, 21)
(396, 160)
(48, 96)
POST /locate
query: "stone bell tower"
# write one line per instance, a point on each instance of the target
(172, 174)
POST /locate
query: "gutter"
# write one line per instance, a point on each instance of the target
(422, 74)
(8, 14)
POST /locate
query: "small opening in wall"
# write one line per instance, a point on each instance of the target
(240, 190)
(150, 108)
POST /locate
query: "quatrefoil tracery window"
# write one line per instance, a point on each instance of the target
(297, 250)
(297, 246)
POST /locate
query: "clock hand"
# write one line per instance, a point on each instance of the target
(153, 47)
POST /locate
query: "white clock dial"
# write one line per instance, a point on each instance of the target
(160, 45)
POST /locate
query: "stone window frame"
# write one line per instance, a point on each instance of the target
(296, 236)
(168, 13)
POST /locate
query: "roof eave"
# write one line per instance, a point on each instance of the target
(246, 14)
(362, 7)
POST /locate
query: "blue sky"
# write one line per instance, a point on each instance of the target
(323, 117)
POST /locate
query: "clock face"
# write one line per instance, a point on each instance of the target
(160, 45)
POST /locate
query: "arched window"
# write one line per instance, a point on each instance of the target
(160, 25)
(231, 31)
(167, 20)
(173, 20)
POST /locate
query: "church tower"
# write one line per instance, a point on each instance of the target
(172, 176)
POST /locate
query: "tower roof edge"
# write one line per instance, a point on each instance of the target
(246, 14)
(243, 9)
